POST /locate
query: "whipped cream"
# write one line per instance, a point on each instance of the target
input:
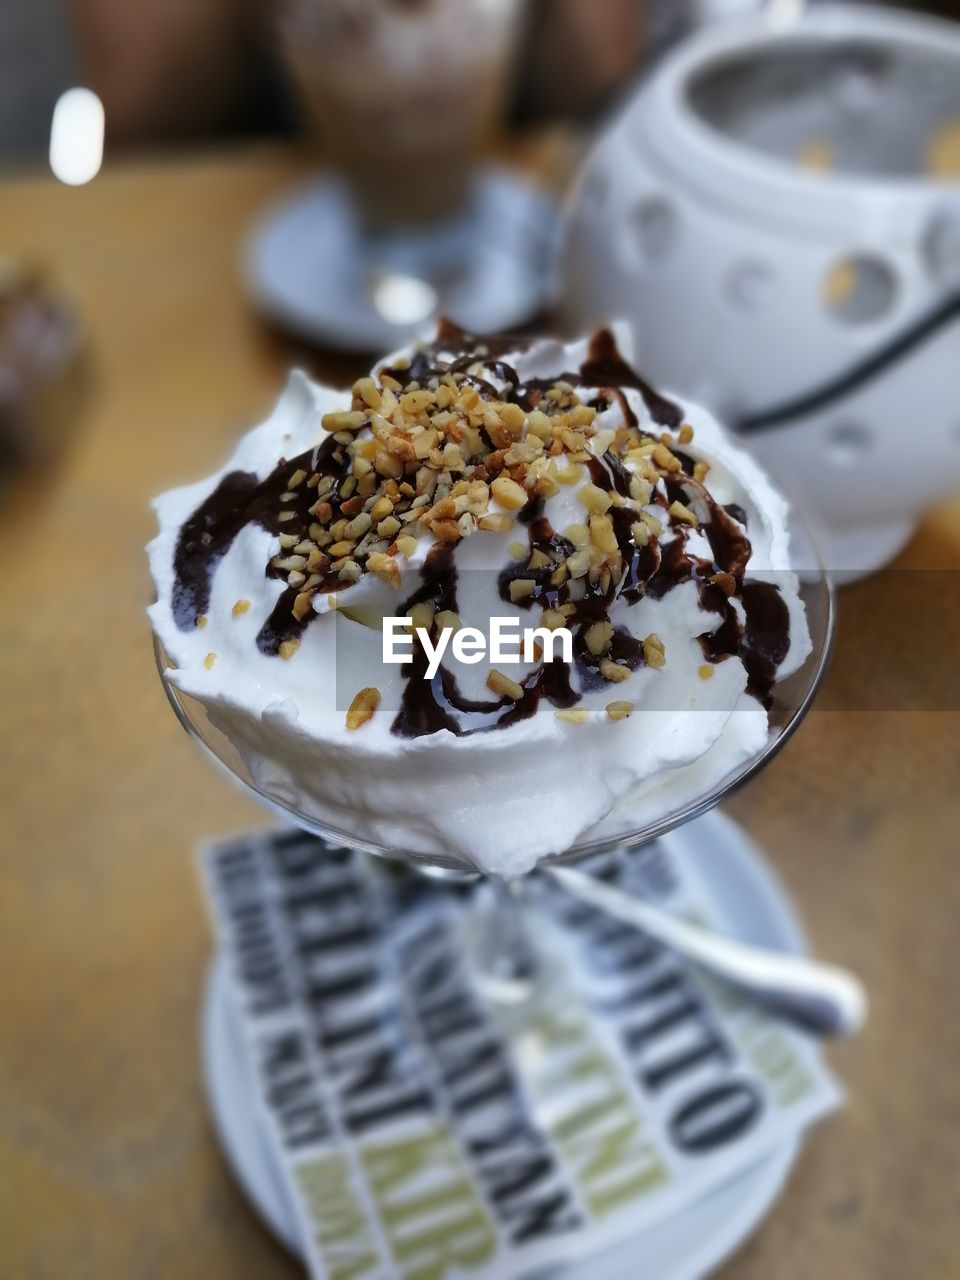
(683, 620)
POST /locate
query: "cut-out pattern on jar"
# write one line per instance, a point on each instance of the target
(847, 443)
(859, 289)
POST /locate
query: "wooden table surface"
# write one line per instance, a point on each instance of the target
(109, 1167)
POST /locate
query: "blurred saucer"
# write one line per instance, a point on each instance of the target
(310, 269)
(746, 901)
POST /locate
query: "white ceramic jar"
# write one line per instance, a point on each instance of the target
(777, 205)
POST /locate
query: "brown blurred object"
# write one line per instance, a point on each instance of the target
(42, 369)
(173, 69)
(109, 1162)
(578, 56)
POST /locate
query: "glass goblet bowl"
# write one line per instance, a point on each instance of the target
(792, 698)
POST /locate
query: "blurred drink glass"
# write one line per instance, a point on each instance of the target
(402, 95)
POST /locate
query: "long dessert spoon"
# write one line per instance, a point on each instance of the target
(819, 998)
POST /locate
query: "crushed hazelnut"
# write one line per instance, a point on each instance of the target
(209, 660)
(447, 620)
(421, 615)
(615, 672)
(573, 715)
(350, 420)
(363, 706)
(288, 648)
(705, 670)
(654, 653)
(597, 637)
(664, 459)
(682, 513)
(619, 710)
(368, 392)
(508, 494)
(602, 535)
(302, 604)
(503, 686)
(496, 523)
(521, 589)
(594, 499)
(242, 606)
(385, 567)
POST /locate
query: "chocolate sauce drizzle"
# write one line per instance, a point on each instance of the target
(648, 566)
(240, 500)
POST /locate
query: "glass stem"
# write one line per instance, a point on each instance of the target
(501, 944)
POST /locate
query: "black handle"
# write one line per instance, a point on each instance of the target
(894, 349)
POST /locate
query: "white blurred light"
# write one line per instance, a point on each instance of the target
(404, 299)
(786, 13)
(76, 137)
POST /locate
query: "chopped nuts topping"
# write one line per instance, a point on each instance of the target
(594, 499)
(619, 710)
(443, 457)
(573, 715)
(706, 670)
(682, 514)
(503, 686)
(347, 421)
(366, 390)
(302, 604)
(209, 660)
(496, 523)
(202, 621)
(654, 653)
(508, 494)
(447, 620)
(615, 672)
(363, 706)
(597, 637)
(521, 589)
(665, 459)
(602, 535)
(385, 567)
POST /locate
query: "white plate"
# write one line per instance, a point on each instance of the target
(752, 905)
(308, 268)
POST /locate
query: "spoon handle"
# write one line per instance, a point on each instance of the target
(820, 998)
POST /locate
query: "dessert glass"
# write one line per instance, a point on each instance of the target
(503, 953)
